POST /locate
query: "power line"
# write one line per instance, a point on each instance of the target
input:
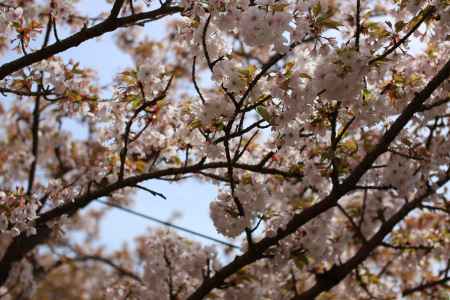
(150, 218)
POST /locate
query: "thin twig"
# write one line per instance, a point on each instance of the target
(426, 13)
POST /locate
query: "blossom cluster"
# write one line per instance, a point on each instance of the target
(321, 123)
(18, 211)
(174, 266)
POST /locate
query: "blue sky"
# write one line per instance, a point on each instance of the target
(191, 198)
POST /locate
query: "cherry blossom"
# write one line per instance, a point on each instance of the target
(322, 124)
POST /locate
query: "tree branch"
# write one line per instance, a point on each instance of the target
(427, 285)
(35, 143)
(327, 280)
(426, 13)
(116, 9)
(23, 243)
(358, 24)
(330, 201)
(85, 34)
(85, 258)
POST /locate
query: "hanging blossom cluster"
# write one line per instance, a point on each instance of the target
(18, 211)
(150, 76)
(173, 268)
(68, 79)
(339, 76)
(323, 124)
(259, 27)
(6, 26)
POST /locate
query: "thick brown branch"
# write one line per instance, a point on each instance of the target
(358, 24)
(35, 143)
(22, 244)
(85, 34)
(413, 107)
(308, 214)
(116, 9)
(326, 281)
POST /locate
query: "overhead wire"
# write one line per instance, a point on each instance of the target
(168, 224)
